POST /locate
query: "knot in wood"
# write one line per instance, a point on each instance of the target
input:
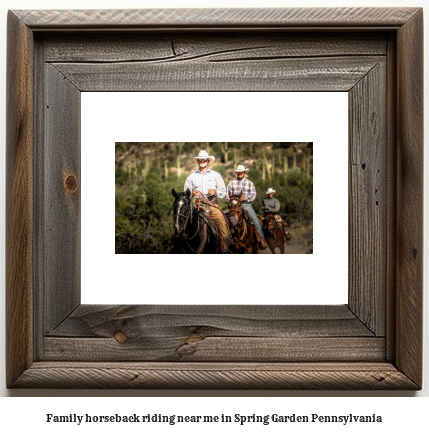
(71, 183)
(120, 337)
(193, 337)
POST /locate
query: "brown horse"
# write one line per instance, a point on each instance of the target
(274, 233)
(244, 235)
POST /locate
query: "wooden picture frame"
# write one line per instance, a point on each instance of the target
(373, 342)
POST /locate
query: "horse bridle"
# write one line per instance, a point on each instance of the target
(205, 235)
(240, 212)
(186, 217)
(271, 229)
(186, 237)
(191, 206)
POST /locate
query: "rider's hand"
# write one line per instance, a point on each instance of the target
(196, 193)
(212, 191)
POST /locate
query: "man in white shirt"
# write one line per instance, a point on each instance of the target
(210, 184)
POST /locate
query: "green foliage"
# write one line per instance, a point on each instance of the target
(143, 218)
(220, 169)
(295, 193)
(225, 149)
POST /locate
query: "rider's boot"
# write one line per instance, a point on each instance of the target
(288, 236)
(262, 243)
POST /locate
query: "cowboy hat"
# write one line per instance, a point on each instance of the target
(241, 169)
(270, 191)
(204, 155)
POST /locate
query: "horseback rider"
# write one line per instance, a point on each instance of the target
(271, 204)
(243, 185)
(209, 185)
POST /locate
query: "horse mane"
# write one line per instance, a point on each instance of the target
(181, 194)
(269, 216)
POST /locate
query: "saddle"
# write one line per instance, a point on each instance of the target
(205, 217)
(259, 238)
(211, 223)
(205, 212)
(279, 225)
(250, 222)
(232, 220)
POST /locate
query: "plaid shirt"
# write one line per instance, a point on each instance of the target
(245, 185)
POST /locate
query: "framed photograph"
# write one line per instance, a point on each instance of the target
(56, 340)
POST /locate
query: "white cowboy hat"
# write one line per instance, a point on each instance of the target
(241, 169)
(204, 155)
(270, 191)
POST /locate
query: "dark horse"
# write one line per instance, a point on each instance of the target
(244, 235)
(193, 233)
(274, 233)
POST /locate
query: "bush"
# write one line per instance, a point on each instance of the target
(144, 221)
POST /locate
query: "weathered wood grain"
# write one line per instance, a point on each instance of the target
(61, 207)
(391, 225)
(324, 74)
(213, 333)
(19, 200)
(192, 347)
(170, 47)
(368, 202)
(290, 18)
(98, 321)
(108, 338)
(247, 375)
(409, 265)
(39, 201)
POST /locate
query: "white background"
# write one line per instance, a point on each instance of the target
(108, 278)
(401, 414)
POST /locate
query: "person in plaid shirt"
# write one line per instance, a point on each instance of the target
(241, 184)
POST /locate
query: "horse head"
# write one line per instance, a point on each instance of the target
(182, 210)
(269, 219)
(235, 204)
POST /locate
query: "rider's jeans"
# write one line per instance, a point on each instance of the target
(249, 209)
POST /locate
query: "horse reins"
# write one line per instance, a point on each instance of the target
(205, 234)
(198, 229)
(203, 241)
(240, 212)
(244, 229)
(275, 224)
(186, 217)
(215, 205)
